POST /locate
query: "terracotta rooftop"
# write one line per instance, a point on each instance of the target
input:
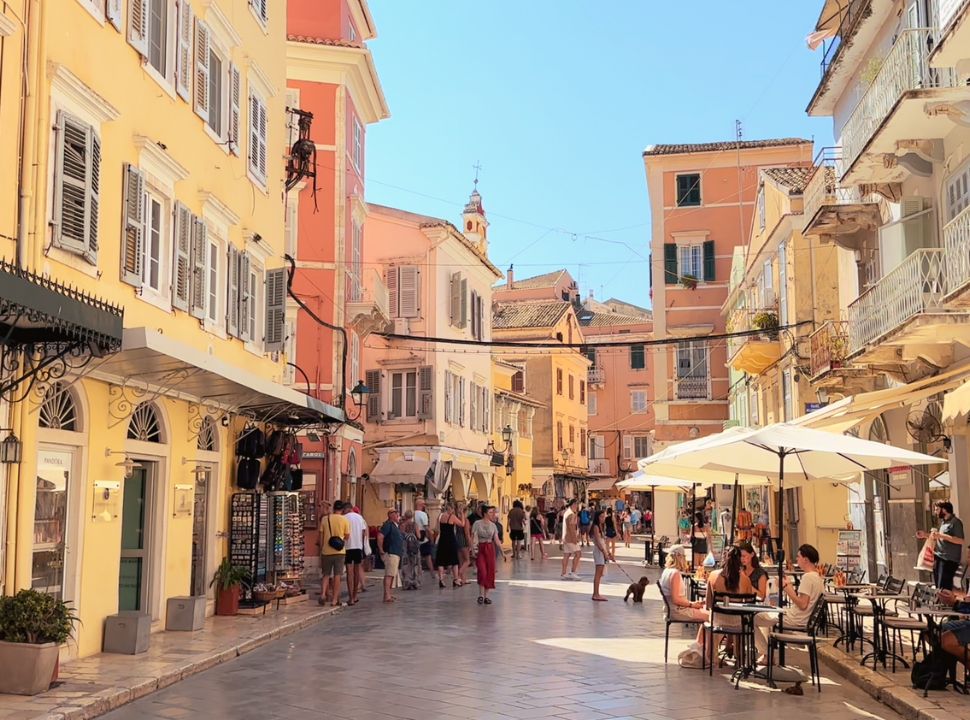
(607, 319)
(542, 313)
(325, 41)
(539, 281)
(793, 178)
(685, 149)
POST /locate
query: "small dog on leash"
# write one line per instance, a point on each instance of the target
(636, 590)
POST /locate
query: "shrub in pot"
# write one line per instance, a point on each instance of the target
(228, 582)
(767, 322)
(32, 627)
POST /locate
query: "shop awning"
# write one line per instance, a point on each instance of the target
(400, 472)
(850, 412)
(601, 485)
(956, 404)
(147, 356)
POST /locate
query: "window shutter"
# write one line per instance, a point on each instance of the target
(232, 302)
(455, 305)
(115, 14)
(245, 299)
(670, 264)
(461, 402)
(262, 139)
(473, 403)
(372, 379)
(708, 260)
(235, 92)
(257, 136)
(260, 6)
(409, 291)
(448, 394)
(94, 196)
(183, 52)
(481, 318)
(197, 278)
(77, 164)
(627, 447)
(133, 233)
(181, 267)
(518, 382)
(202, 70)
(393, 296)
(426, 387)
(275, 309)
(464, 303)
(138, 26)
(591, 406)
(487, 400)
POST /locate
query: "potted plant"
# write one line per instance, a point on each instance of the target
(229, 581)
(32, 627)
(767, 322)
(688, 281)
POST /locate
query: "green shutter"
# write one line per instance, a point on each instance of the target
(708, 260)
(670, 263)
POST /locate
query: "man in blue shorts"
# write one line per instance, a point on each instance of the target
(584, 522)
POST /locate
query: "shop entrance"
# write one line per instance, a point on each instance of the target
(200, 526)
(136, 514)
(53, 558)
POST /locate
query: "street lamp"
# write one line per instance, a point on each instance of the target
(507, 436)
(359, 393)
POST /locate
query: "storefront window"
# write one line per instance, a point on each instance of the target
(50, 521)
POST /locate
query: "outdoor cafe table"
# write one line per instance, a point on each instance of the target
(850, 632)
(935, 628)
(879, 639)
(747, 655)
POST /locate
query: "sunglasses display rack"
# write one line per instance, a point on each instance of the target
(285, 552)
(248, 523)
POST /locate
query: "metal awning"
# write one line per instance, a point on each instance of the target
(156, 360)
(400, 472)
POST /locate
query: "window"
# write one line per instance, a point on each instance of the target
(591, 410)
(518, 381)
(958, 192)
(217, 103)
(761, 208)
(638, 359)
(255, 297)
(695, 259)
(214, 270)
(352, 33)
(572, 437)
(688, 190)
(783, 283)
(582, 443)
(477, 316)
(692, 370)
(641, 446)
(582, 392)
(767, 286)
(559, 445)
(358, 145)
(154, 232)
(77, 181)
(403, 287)
(690, 259)
(158, 35)
(638, 401)
(572, 388)
(754, 408)
(558, 381)
(788, 400)
(257, 138)
(356, 262)
(260, 10)
(458, 304)
(404, 394)
(591, 354)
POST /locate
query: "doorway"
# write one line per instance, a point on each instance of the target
(200, 527)
(52, 564)
(136, 514)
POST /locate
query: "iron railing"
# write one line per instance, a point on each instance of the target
(956, 240)
(829, 347)
(599, 466)
(596, 376)
(823, 186)
(694, 388)
(370, 291)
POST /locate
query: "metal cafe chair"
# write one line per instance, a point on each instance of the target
(807, 638)
(669, 620)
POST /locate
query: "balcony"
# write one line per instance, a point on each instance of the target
(599, 467)
(368, 303)
(754, 354)
(908, 104)
(832, 209)
(829, 348)
(596, 376)
(954, 22)
(956, 241)
(693, 388)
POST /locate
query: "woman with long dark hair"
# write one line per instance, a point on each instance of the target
(751, 566)
(728, 579)
(700, 539)
(536, 534)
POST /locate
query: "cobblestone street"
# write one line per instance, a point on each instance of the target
(542, 650)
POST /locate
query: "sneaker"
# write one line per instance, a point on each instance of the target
(575, 576)
(567, 576)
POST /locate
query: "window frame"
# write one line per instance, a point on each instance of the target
(164, 78)
(640, 350)
(680, 199)
(357, 144)
(256, 306)
(161, 295)
(259, 177)
(643, 442)
(635, 407)
(693, 264)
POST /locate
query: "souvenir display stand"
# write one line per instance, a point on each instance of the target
(266, 538)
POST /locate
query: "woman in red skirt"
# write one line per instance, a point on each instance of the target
(485, 536)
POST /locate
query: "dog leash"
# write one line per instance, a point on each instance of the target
(624, 571)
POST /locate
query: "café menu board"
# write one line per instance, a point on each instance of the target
(849, 549)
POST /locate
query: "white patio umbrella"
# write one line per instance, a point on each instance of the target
(643, 481)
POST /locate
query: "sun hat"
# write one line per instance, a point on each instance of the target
(677, 550)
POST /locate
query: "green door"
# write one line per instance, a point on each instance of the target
(135, 514)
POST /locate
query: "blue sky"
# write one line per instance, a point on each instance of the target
(557, 100)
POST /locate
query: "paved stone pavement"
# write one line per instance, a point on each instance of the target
(542, 650)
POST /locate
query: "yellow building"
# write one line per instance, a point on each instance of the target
(153, 135)
(556, 378)
(780, 281)
(514, 414)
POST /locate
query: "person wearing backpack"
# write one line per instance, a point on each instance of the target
(584, 524)
(334, 534)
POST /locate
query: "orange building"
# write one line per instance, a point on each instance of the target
(332, 84)
(702, 200)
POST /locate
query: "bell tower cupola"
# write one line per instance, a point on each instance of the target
(475, 225)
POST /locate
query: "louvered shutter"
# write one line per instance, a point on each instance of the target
(461, 401)
(409, 291)
(455, 305)
(133, 232)
(138, 26)
(254, 134)
(183, 52)
(94, 196)
(182, 264)
(246, 305)
(709, 260)
(372, 379)
(275, 309)
(448, 397)
(392, 293)
(670, 264)
(115, 14)
(197, 280)
(488, 409)
(235, 92)
(426, 387)
(473, 405)
(202, 70)
(232, 299)
(261, 9)
(627, 447)
(72, 176)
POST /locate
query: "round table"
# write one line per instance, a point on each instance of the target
(747, 656)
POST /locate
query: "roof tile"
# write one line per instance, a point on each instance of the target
(542, 313)
(687, 148)
(793, 178)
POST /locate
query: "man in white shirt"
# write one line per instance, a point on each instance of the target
(355, 552)
(421, 523)
(802, 601)
(570, 541)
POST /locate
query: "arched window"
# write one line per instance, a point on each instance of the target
(208, 435)
(352, 466)
(145, 425)
(878, 431)
(59, 409)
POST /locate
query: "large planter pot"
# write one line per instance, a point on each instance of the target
(227, 601)
(27, 669)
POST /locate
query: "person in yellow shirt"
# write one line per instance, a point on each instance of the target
(334, 533)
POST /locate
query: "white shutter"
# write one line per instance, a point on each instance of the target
(408, 291)
(601, 446)
(373, 383)
(115, 14)
(454, 306)
(202, 70)
(197, 284)
(183, 51)
(75, 170)
(627, 447)
(275, 309)
(257, 137)
(235, 90)
(245, 298)
(448, 396)
(261, 8)
(392, 293)
(94, 195)
(426, 388)
(463, 318)
(473, 403)
(488, 409)
(591, 409)
(462, 394)
(263, 129)
(138, 26)
(181, 265)
(232, 298)
(133, 232)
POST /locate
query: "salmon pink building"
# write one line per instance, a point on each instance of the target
(333, 94)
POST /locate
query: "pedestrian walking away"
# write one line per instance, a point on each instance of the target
(537, 534)
(390, 543)
(584, 522)
(570, 541)
(610, 530)
(485, 535)
(447, 553)
(949, 545)
(334, 534)
(425, 533)
(411, 559)
(356, 543)
(601, 553)
(517, 520)
(462, 540)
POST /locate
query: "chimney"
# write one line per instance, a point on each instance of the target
(510, 282)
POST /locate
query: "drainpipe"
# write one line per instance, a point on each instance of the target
(33, 73)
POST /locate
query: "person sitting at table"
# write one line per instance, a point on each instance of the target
(955, 634)
(729, 579)
(674, 589)
(751, 567)
(802, 600)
